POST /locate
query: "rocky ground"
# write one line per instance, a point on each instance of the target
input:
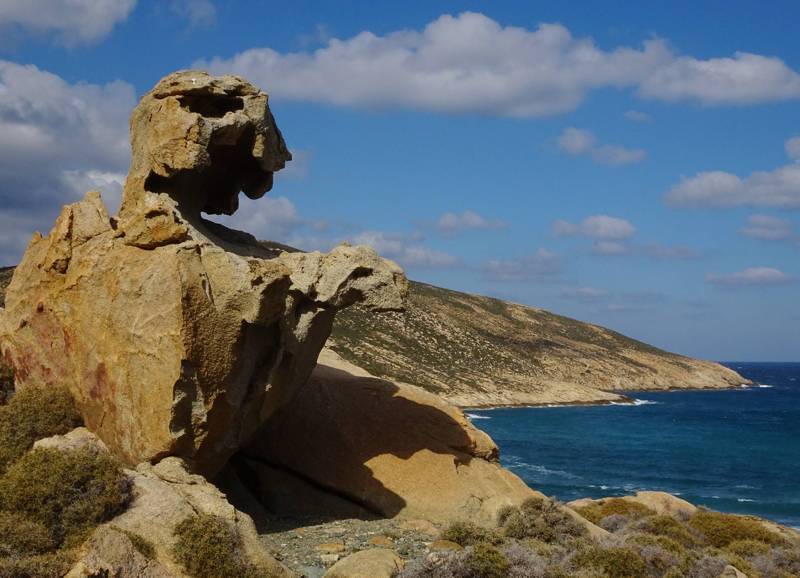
(310, 547)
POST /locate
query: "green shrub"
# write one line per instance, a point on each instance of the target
(34, 413)
(486, 561)
(22, 537)
(662, 525)
(51, 565)
(209, 547)
(719, 529)
(747, 548)
(467, 534)
(596, 511)
(69, 492)
(541, 519)
(615, 562)
(6, 382)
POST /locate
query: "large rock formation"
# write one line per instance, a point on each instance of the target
(357, 445)
(176, 335)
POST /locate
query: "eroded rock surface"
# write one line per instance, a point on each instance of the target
(379, 448)
(178, 336)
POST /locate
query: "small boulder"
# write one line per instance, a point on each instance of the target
(374, 563)
(112, 552)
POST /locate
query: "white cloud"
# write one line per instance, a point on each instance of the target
(743, 79)
(108, 183)
(71, 21)
(269, 218)
(750, 277)
(637, 116)
(470, 63)
(779, 188)
(405, 250)
(792, 148)
(198, 13)
(57, 140)
(579, 142)
(768, 228)
(600, 227)
(452, 223)
(541, 264)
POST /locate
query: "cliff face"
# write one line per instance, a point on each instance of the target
(478, 351)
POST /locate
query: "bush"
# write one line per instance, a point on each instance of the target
(614, 562)
(486, 561)
(719, 529)
(596, 511)
(707, 567)
(22, 537)
(541, 519)
(662, 525)
(33, 413)
(467, 534)
(747, 548)
(68, 492)
(209, 547)
(52, 565)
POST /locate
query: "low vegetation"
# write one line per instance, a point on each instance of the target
(540, 519)
(540, 540)
(209, 547)
(33, 413)
(597, 511)
(50, 499)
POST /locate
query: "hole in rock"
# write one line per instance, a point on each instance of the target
(214, 189)
(211, 105)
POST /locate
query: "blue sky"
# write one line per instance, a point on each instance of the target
(631, 164)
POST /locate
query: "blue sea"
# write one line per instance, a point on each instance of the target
(731, 450)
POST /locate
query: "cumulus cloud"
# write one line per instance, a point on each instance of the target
(779, 188)
(198, 13)
(768, 228)
(751, 276)
(579, 142)
(601, 227)
(637, 116)
(71, 21)
(470, 63)
(453, 223)
(541, 264)
(742, 79)
(408, 251)
(58, 140)
(611, 236)
(269, 218)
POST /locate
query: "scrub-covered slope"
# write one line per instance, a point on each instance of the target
(475, 350)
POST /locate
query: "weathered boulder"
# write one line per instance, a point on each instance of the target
(112, 552)
(659, 502)
(178, 336)
(163, 495)
(372, 563)
(388, 449)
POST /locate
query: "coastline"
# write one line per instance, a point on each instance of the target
(623, 399)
